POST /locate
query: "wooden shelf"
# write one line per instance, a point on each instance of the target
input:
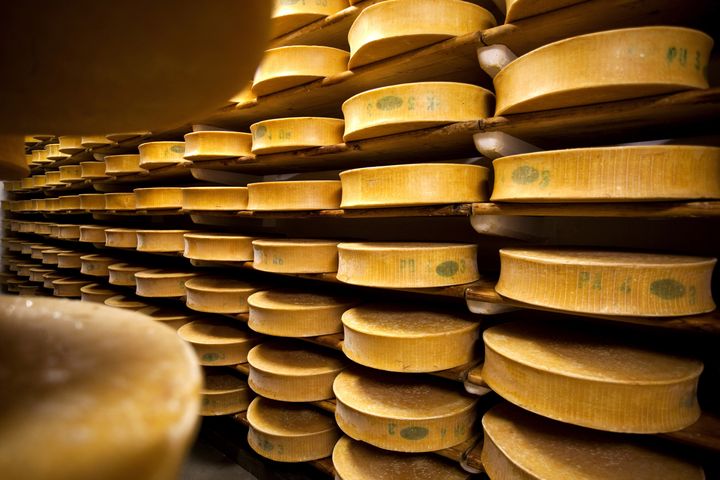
(160, 175)
(615, 210)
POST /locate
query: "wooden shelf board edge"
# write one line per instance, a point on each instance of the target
(624, 209)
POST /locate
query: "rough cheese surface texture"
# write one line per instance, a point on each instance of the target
(213, 145)
(294, 195)
(295, 256)
(218, 247)
(214, 198)
(218, 343)
(216, 294)
(297, 133)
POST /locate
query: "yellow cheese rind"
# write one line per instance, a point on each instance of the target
(70, 202)
(48, 278)
(23, 269)
(94, 141)
(287, 432)
(50, 257)
(609, 174)
(69, 259)
(69, 232)
(218, 247)
(162, 283)
(70, 144)
(218, 343)
(413, 106)
(96, 265)
(290, 15)
(40, 157)
(407, 265)
(36, 274)
(607, 283)
(39, 180)
(294, 195)
(591, 380)
(224, 393)
(390, 28)
(126, 303)
(223, 295)
(519, 444)
(161, 154)
(295, 256)
(52, 178)
(214, 144)
(123, 274)
(408, 185)
(121, 237)
(70, 174)
(167, 241)
(519, 9)
(36, 251)
(158, 198)
(96, 293)
(289, 134)
(93, 170)
(54, 153)
(214, 198)
(92, 201)
(600, 67)
(120, 201)
(69, 287)
(92, 234)
(118, 165)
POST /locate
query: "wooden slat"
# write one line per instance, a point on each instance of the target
(627, 210)
(704, 434)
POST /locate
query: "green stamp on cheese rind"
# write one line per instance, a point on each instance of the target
(447, 269)
(177, 149)
(212, 356)
(414, 433)
(667, 289)
(260, 131)
(525, 175)
(391, 102)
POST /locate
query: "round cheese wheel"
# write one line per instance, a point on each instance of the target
(96, 265)
(119, 201)
(39, 180)
(289, 15)
(118, 165)
(123, 274)
(413, 106)
(48, 278)
(54, 153)
(402, 339)
(69, 286)
(218, 247)
(286, 67)
(50, 257)
(601, 67)
(43, 228)
(52, 178)
(36, 251)
(359, 461)
(223, 393)
(126, 303)
(218, 343)
(169, 316)
(407, 265)
(215, 144)
(162, 283)
(69, 259)
(70, 144)
(294, 195)
(390, 28)
(93, 234)
(70, 202)
(52, 204)
(286, 313)
(70, 368)
(404, 413)
(609, 174)
(519, 9)
(14, 284)
(291, 372)
(121, 238)
(70, 174)
(93, 170)
(519, 444)
(94, 292)
(161, 154)
(592, 380)
(36, 274)
(158, 198)
(408, 185)
(94, 141)
(295, 256)
(298, 133)
(287, 432)
(161, 240)
(69, 232)
(214, 198)
(92, 201)
(218, 294)
(23, 269)
(607, 283)
(27, 183)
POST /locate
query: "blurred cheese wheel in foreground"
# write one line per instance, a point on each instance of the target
(224, 295)
(518, 9)
(161, 154)
(408, 185)
(160, 241)
(162, 283)
(218, 247)
(403, 412)
(158, 198)
(214, 198)
(390, 28)
(607, 283)
(123, 164)
(291, 372)
(295, 256)
(407, 265)
(218, 343)
(93, 353)
(291, 15)
(519, 444)
(604, 67)
(287, 432)
(121, 237)
(123, 274)
(214, 144)
(609, 174)
(413, 106)
(126, 303)
(408, 340)
(592, 380)
(223, 393)
(119, 201)
(289, 134)
(294, 195)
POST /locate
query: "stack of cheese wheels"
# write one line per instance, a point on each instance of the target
(591, 379)
(161, 154)
(52, 178)
(119, 165)
(121, 237)
(295, 256)
(218, 343)
(413, 106)
(123, 274)
(93, 234)
(54, 153)
(359, 461)
(218, 247)
(126, 303)
(394, 27)
(96, 265)
(519, 444)
(294, 195)
(607, 283)
(214, 198)
(173, 318)
(519, 9)
(290, 432)
(286, 67)
(69, 286)
(120, 201)
(70, 174)
(223, 393)
(603, 69)
(93, 170)
(217, 144)
(609, 174)
(285, 313)
(70, 259)
(403, 412)
(297, 133)
(161, 241)
(158, 198)
(92, 201)
(403, 339)
(123, 366)
(407, 185)
(289, 16)
(162, 283)
(407, 265)
(292, 372)
(94, 292)
(94, 141)
(70, 144)
(215, 294)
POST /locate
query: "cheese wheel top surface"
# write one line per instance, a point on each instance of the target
(292, 300)
(218, 236)
(290, 242)
(603, 258)
(287, 419)
(293, 359)
(397, 246)
(217, 382)
(163, 274)
(121, 301)
(213, 333)
(391, 321)
(218, 284)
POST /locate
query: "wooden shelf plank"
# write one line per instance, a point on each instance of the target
(615, 210)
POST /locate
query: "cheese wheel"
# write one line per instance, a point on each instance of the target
(359, 461)
(291, 15)
(92, 201)
(519, 9)
(407, 265)
(94, 141)
(26, 247)
(218, 247)
(161, 154)
(119, 201)
(403, 413)
(214, 198)
(295, 256)
(14, 284)
(123, 274)
(121, 238)
(23, 269)
(294, 195)
(52, 178)
(69, 286)
(161, 240)
(118, 165)
(589, 379)
(291, 372)
(162, 283)
(123, 136)
(40, 157)
(50, 257)
(298, 133)
(70, 174)
(39, 180)
(218, 294)
(607, 283)
(609, 174)
(126, 303)
(69, 259)
(94, 292)
(70, 144)
(390, 28)
(43, 228)
(70, 202)
(218, 343)
(52, 204)
(48, 278)
(36, 251)
(54, 153)
(93, 234)
(408, 185)
(287, 432)
(26, 227)
(216, 144)
(158, 198)
(27, 183)
(287, 313)
(519, 444)
(600, 67)
(223, 393)
(169, 316)
(402, 339)
(413, 106)
(286, 67)
(69, 232)
(93, 170)
(96, 265)
(36, 274)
